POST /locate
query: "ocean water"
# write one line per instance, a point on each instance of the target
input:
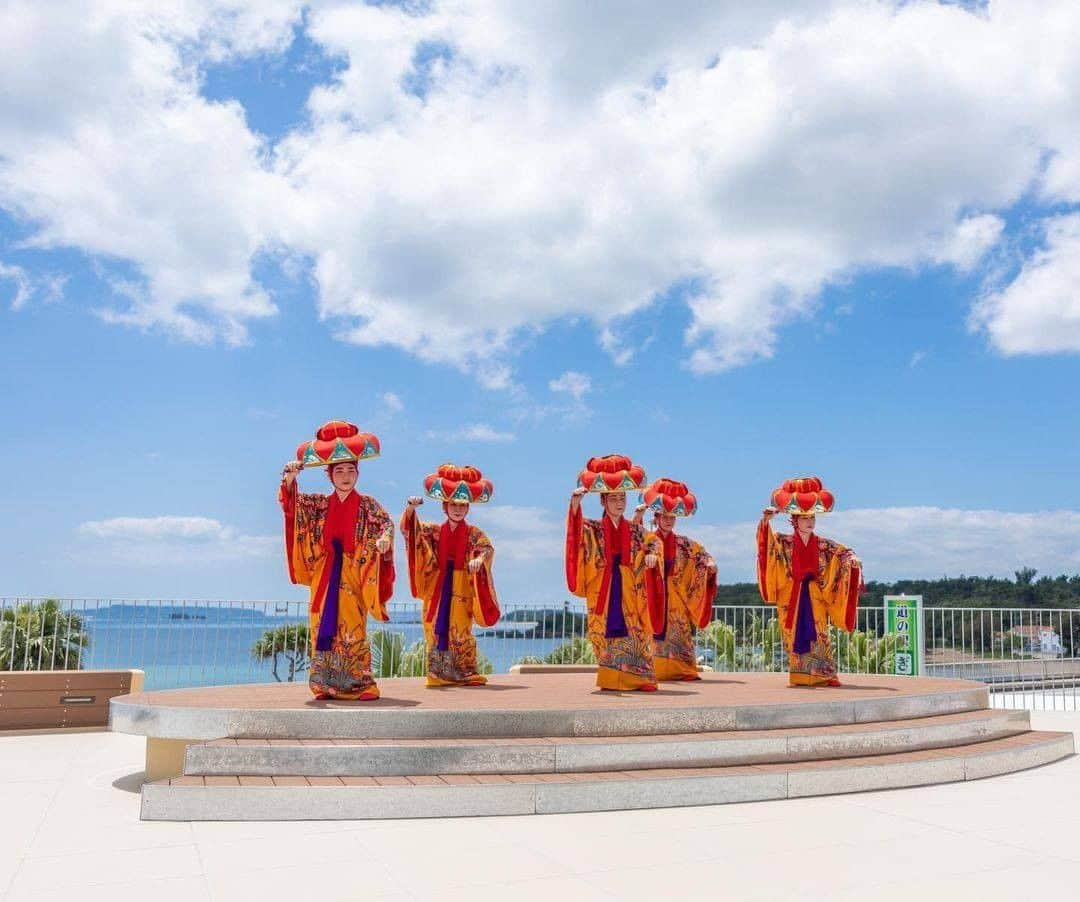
(181, 646)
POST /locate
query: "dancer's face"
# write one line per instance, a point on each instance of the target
(666, 521)
(805, 524)
(457, 510)
(615, 503)
(344, 476)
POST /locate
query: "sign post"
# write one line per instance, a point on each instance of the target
(903, 615)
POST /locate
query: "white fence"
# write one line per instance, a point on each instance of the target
(1027, 655)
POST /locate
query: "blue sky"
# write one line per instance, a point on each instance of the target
(528, 265)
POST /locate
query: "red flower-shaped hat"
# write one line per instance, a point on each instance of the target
(450, 483)
(805, 495)
(666, 496)
(611, 473)
(335, 442)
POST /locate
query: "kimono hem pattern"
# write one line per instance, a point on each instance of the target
(348, 579)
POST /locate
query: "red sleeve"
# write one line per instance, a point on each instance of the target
(287, 499)
(705, 615)
(656, 596)
(762, 558)
(386, 578)
(489, 607)
(409, 523)
(855, 588)
(573, 543)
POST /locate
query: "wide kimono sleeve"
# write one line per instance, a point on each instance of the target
(648, 581)
(773, 567)
(485, 603)
(841, 583)
(576, 557)
(302, 513)
(376, 571)
(699, 583)
(421, 553)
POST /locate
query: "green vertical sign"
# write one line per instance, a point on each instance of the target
(903, 616)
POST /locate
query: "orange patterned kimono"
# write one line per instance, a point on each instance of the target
(813, 585)
(453, 597)
(605, 564)
(330, 547)
(689, 589)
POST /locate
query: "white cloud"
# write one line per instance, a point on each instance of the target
(166, 540)
(392, 401)
(476, 432)
(573, 383)
(564, 160)
(921, 542)
(521, 533)
(19, 276)
(1039, 311)
(917, 357)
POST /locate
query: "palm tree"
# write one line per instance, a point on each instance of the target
(41, 636)
(291, 642)
(391, 658)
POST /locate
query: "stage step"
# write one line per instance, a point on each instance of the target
(560, 754)
(257, 797)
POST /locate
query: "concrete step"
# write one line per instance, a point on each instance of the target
(562, 754)
(254, 797)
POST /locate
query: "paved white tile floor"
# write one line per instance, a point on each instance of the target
(69, 830)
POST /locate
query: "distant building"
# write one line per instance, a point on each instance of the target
(1037, 639)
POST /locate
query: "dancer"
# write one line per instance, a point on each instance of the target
(813, 581)
(341, 545)
(609, 565)
(450, 572)
(689, 581)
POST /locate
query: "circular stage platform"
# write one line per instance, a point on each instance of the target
(536, 743)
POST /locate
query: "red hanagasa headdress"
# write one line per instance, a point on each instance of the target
(803, 496)
(337, 442)
(611, 473)
(451, 483)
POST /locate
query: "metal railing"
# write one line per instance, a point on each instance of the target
(1027, 655)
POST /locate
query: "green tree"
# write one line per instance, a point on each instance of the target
(291, 642)
(578, 650)
(42, 636)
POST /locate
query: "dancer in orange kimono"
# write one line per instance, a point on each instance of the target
(341, 546)
(689, 581)
(450, 572)
(813, 581)
(609, 565)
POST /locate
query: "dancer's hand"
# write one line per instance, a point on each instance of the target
(382, 544)
(769, 513)
(475, 564)
(710, 565)
(575, 498)
(415, 501)
(651, 560)
(288, 473)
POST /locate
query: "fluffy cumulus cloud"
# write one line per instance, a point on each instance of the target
(479, 168)
(150, 541)
(1039, 311)
(922, 542)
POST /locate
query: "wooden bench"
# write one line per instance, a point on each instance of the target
(61, 699)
